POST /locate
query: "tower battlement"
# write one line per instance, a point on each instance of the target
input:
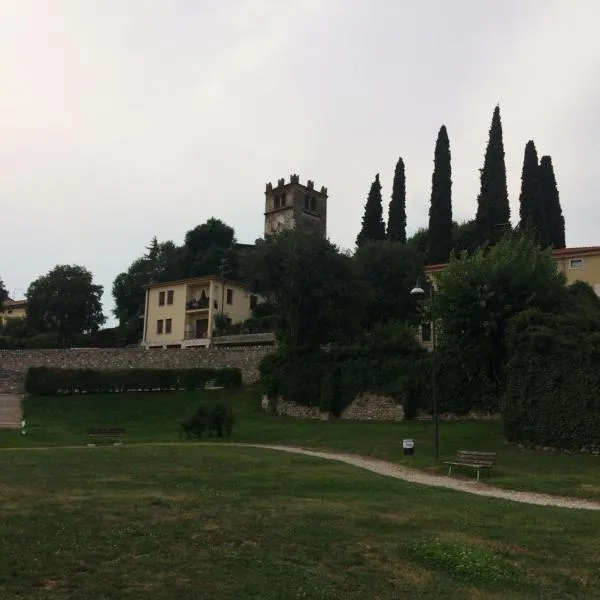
(294, 180)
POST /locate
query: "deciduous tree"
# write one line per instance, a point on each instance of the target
(65, 301)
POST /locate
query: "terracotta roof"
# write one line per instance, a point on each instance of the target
(582, 251)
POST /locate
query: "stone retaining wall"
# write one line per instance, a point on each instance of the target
(367, 407)
(15, 363)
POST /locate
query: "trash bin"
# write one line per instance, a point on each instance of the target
(408, 446)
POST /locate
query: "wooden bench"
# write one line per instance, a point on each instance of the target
(106, 432)
(474, 460)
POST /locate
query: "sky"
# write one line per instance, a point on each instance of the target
(120, 121)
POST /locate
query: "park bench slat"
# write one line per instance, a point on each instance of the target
(105, 432)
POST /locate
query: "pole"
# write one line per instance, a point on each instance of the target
(434, 382)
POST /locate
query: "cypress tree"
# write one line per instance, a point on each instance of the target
(554, 214)
(373, 227)
(440, 211)
(531, 201)
(396, 226)
(493, 210)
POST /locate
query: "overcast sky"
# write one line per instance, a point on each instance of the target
(121, 120)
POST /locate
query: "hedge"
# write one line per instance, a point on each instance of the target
(553, 390)
(47, 381)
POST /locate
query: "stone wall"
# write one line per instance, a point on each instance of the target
(15, 363)
(367, 407)
(372, 407)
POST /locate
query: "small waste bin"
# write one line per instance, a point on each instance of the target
(408, 446)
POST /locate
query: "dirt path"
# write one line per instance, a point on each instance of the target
(389, 469)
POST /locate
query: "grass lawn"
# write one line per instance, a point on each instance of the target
(155, 418)
(194, 521)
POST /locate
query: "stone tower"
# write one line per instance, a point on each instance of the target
(295, 206)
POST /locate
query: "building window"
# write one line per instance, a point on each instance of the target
(576, 263)
(313, 203)
(306, 202)
(229, 296)
(426, 332)
(215, 304)
(170, 295)
(168, 325)
(253, 301)
(277, 201)
(161, 298)
(159, 326)
(283, 200)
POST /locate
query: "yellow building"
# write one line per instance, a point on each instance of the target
(580, 264)
(13, 309)
(183, 313)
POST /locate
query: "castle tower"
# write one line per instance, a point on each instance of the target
(295, 206)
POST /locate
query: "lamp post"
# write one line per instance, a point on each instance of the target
(419, 293)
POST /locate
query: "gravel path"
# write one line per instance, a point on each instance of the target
(389, 469)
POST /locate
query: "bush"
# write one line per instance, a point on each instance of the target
(390, 362)
(52, 382)
(553, 389)
(219, 418)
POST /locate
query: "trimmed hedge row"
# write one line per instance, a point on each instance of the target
(553, 391)
(47, 381)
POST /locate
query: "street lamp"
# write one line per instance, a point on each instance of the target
(419, 293)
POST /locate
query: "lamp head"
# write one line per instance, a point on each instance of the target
(417, 291)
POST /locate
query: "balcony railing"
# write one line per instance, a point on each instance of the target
(192, 335)
(197, 304)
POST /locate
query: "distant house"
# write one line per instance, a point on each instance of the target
(184, 313)
(13, 309)
(578, 264)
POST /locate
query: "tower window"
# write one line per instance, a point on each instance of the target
(283, 200)
(306, 202)
(313, 203)
(276, 201)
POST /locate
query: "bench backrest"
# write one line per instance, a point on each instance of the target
(480, 458)
(105, 431)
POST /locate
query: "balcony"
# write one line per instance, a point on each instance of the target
(192, 335)
(197, 305)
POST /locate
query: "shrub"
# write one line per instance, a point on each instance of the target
(553, 389)
(219, 418)
(51, 382)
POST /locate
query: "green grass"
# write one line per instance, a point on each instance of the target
(155, 418)
(196, 521)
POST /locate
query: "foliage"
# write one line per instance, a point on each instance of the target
(373, 227)
(465, 238)
(554, 215)
(311, 285)
(419, 240)
(389, 271)
(3, 294)
(217, 418)
(493, 210)
(396, 226)
(440, 210)
(532, 209)
(476, 297)
(52, 382)
(384, 363)
(553, 390)
(65, 301)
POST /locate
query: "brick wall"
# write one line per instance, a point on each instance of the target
(14, 363)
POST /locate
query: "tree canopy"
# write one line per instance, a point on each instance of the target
(373, 227)
(66, 301)
(3, 294)
(555, 221)
(309, 282)
(440, 209)
(493, 210)
(531, 200)
(396, 226)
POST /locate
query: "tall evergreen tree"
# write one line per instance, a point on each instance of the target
(440, 211)
(373, 227)
(555, 219)
(396, 226)
(531, 201)
(493, 210)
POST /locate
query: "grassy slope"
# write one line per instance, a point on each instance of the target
(194, 521)
(155, 417)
